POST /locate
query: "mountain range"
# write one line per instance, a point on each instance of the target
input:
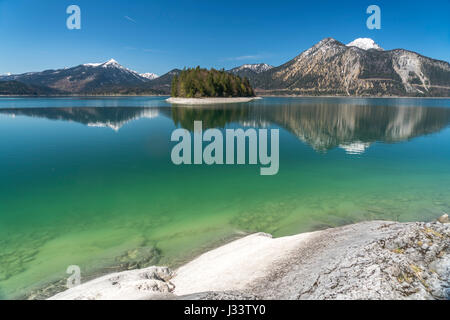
(250, 70)
(90, 78)
(360, 68)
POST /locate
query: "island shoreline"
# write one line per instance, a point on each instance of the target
(210, 101)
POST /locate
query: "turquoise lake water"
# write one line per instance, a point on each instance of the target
(90, 182)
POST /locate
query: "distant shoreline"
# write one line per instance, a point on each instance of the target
(359, 97)
(81, 95)
(261, 95)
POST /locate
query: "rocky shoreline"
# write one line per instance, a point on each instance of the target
(369, 260)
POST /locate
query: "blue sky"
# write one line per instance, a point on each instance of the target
(157, 36)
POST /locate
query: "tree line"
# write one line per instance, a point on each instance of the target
(198, 83)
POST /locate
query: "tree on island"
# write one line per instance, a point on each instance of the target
(200, 83)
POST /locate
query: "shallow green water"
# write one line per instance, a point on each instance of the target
(86, 181)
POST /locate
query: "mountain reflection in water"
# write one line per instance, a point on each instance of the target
(322, 126)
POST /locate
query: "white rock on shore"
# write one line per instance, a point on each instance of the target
(369, 260)
(206, 101)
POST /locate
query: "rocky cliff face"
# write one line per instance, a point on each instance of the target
(330, 67)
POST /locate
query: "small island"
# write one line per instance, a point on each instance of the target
(202, 86)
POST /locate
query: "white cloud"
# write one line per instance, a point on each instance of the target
(247, 57)
(153, 50)
(130, 19)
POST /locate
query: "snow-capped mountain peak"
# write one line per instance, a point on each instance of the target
(90, 65)
(149, 75)
(111, 62)
(258, 67)
(365, 44)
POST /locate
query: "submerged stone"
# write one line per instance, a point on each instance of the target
(443, 219)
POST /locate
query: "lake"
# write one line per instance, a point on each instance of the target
(90, 181)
